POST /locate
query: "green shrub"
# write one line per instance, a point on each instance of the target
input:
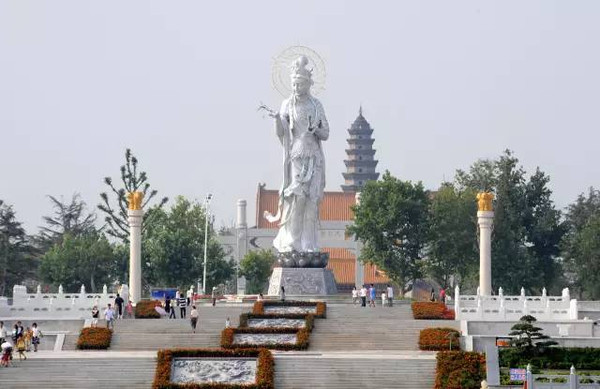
(553, 358)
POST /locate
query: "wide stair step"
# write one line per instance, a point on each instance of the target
(130, 373)
(348, 373)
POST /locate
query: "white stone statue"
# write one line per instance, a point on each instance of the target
(82, 291)
(301, 126)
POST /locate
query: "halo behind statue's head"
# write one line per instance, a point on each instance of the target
(298, 62)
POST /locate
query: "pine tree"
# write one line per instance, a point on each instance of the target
(132, 180)
(529, 338)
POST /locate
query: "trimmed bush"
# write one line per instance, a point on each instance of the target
(438, 339)
(584, 358)
(265, 373)
(302, 335)
(308, 318)
(145, 309)
(459, 370)
(321, 307)
(425, 310)
(94, 338)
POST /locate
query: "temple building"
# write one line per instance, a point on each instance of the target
(335, 214)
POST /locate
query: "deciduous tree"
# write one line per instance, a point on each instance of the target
(391, 221)
(256, 267)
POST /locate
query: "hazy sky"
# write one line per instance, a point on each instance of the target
(443, 83)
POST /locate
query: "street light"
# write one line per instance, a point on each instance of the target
(206, 203)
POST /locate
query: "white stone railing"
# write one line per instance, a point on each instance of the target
(501, 307)
(56, 304)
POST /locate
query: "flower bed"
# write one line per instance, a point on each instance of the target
(302, 335)
(308, 318)
(438, 339)
(459, 370)
(264, 375)
(321, 307)
(431, 311)
(96, 338)
(145, 309)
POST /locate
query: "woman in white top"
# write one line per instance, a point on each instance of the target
(3, 332)
(354, 296)
(37, 334)
(383, 299)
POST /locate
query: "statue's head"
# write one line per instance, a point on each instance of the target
(301, 77)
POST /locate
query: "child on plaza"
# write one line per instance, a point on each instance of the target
(28, 336)
(383, 299)
(227, 323)
(95, 314)
(7, 349)
(21, 348)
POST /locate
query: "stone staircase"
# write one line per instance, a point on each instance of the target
(352, 328)
(84, 373)
(154, 334)
(348, 372)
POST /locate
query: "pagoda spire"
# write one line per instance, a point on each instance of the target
(360, 162)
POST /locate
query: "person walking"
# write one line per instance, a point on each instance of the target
(182, 303)
(354, 296)
(109, 316)
(390, 295)
(3, 333)
(172, 309)
(372, 295)
(383, 299)
(36, 334)
(363, 296)
(282, 293)
(432, 296)
(213, 296)
(443, 295)
(168, 304)
(227, 322)
(194, 318)
(119, 306)
(95, 314)
(129, 310)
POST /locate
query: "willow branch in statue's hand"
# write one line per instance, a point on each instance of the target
(271, 112)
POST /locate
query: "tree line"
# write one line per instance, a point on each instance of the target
(72, 248)
(412, 233)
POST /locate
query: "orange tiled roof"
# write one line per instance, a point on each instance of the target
(334, 207)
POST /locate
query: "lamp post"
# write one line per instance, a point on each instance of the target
(206, 203)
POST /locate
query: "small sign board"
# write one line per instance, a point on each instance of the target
(503, 342)
(518, 374)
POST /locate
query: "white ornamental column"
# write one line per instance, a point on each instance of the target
(485, 220)
(135, 216)
(242, 241)
(359, 267)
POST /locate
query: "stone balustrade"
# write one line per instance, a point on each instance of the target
(55, 305)
(501, 307)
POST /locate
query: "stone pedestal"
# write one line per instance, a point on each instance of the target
(135, 254)
(302, 281)
(485, 220)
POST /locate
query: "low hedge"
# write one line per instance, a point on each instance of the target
(94, 338)
(145, 309)
(459, 370)
(302, 335)
(265, 373)
(438, 339)
(308, 318)
(321, 307)
(585, 358)
(425, 310)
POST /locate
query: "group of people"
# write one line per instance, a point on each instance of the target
(117, 311)
(370, 293)
(22, 338)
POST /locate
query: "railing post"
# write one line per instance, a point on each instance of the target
(457, 303)
(529, 377)
(573, 379)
